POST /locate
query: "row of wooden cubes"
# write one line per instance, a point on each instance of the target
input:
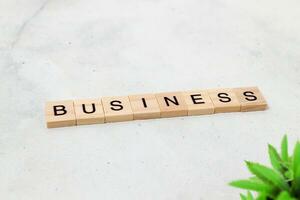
(150, 106)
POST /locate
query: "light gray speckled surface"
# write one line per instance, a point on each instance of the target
(51, 50)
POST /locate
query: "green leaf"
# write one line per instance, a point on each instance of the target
(284, 149)
(255, 179)
(243, 197)
(262, 196)
(252, 185)
(267, 175)
(289, 175)
(275, 158)
(296, 183)
(296, 158)
(296, 169)
(249, 196)
(284, 196)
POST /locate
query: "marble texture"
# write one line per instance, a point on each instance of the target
(71, 49)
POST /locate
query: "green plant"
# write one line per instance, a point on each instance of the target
(281, 182)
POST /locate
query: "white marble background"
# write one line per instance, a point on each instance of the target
(69, 49)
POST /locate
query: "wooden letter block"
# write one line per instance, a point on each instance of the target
(144, 106)
(117, 109)
(60, 113)
(224, 100)
(171, 104)
(251, 99)
(89, 111)
(198, 102)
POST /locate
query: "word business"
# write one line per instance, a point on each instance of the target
(150, 106)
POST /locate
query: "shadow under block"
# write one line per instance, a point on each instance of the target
(144, 106)
(89, 111)
(117, 109)
(251, 99)
(198, 102)
(224, 100)
(60, 114)
(171, 104)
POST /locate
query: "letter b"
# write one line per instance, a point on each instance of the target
(59, 110)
